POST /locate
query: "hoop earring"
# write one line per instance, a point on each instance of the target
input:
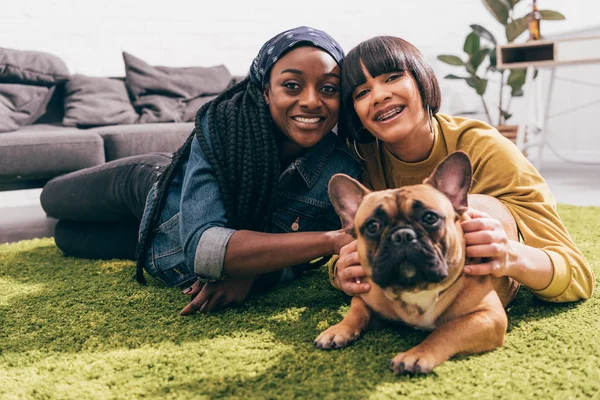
(430, 117)
(366, 159)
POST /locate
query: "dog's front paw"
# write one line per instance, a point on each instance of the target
(414, 361)
(336, 337)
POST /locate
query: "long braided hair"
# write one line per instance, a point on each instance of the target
(241, 145)
(243, 154)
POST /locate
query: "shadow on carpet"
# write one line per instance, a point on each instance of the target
(72, 328)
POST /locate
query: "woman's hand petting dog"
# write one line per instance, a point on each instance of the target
(486, 239)
(350, 273)
(213, 296)
(339, 239)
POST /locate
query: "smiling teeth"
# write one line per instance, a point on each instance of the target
(390, 113)
(307, 120)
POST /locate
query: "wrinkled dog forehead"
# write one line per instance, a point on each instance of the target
(403, 202)
(386, 200)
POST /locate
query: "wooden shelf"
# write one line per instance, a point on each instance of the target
(548, 53)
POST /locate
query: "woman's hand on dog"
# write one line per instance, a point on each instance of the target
(350, 273)
(486, 239)
(213, 296)
(339, 239)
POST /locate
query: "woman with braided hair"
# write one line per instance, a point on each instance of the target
(243, 203)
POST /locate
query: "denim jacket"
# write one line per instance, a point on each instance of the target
(192, 235)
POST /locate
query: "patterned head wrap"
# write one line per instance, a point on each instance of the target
(283, 42)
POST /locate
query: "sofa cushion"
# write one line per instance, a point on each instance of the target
(96, 101)
(192, 106)
(160, 93)
(129, 140)
(21, 105)
(31, 67)
(44, 151)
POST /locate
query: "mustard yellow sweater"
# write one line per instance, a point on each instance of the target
(501, 171)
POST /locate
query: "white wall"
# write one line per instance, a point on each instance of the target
(90, 36)
(572, 128)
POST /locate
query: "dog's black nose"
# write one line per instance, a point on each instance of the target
(404, 235)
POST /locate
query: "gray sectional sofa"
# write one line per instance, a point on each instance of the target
(35, 153)
(53, 123)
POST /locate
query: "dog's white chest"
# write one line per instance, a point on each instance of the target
(415, 309)
(424, 299)
(421, 308)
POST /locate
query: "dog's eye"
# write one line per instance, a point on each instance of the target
(373, 227)
(430, 218)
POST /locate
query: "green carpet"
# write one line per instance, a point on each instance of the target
(79, 329)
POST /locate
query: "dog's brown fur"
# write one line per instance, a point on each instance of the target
(465, 313)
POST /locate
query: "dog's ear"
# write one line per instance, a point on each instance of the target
(453, 178)
(346, 194)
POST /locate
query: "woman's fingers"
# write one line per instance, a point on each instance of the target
(197, 302)
(481, 224)
(485, 237)
(473, 213)
(353, 288)
(482, 269)
(194, 289)
(491, 250)
(348, 261)
(351, 247)
(342, 239)
(351, 273)
(351, 279)
(213, 304)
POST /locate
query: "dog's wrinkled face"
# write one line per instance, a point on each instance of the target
(409, 238)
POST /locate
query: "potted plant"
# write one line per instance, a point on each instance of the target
(480, 46)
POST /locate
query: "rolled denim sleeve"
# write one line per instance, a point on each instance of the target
(203, 220)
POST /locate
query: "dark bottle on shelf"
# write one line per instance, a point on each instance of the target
(534, 22)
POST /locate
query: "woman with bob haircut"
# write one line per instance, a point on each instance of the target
(390, 104)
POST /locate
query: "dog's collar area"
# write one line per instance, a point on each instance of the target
(425, 299)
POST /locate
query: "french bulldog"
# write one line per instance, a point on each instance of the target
(412, 249)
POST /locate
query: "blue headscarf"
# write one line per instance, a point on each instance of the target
(283, 42)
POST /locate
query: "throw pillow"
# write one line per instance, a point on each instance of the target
(95, 101)
(22, 105)
(192, 106)
(31, 67)
(160, 93)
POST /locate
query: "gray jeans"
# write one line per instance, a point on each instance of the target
(99, 208)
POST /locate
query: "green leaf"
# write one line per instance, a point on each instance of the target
(513, 3)
(452, 76)
(505, 114)
(450, 59)
(516, 77)
(493, 59)
(477, 58)
(516, 28)
(516, 80)
(498, 9)
(551, 15)
(472, 43)
(480, 85)
(484, 33)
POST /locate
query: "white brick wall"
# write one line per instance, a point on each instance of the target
(90, 35)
